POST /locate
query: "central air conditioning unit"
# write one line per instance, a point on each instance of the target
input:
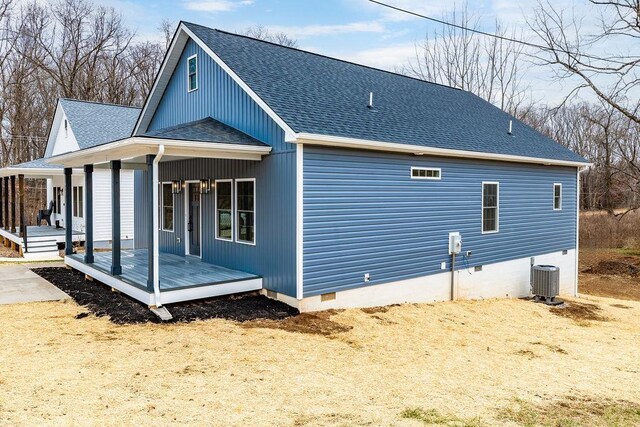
(545, 283)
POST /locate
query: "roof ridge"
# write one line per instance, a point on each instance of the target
(62, 98)
(325, 56)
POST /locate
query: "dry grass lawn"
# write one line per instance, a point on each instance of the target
(495, 362)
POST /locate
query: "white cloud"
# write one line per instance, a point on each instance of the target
(301, 32)
(216, 5)
(386, 58)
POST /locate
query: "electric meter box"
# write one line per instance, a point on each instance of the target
(455, 243)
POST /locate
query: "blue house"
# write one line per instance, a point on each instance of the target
(326, 184)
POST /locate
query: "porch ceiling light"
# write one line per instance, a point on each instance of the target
(205, 186)
(176, 186)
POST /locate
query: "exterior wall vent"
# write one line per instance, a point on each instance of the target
(545, 282)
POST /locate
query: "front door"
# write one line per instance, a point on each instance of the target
(193, 226)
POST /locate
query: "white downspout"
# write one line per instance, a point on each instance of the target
(575, 290)
(156, 243)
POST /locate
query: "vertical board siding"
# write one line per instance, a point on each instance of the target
(274, 255)
(364, 214)
(218, 96)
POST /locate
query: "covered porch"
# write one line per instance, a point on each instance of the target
(148, 274)
(183, 278)
(17, 230)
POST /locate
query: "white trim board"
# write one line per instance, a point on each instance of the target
(169, 64)
(344, 142)
(299, 221)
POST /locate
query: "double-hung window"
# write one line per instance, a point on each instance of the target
(557, 197)
(224, 210)
(490, 207)
(167, 206)
(57, 200)
(245, 210)
(78, 201)
(192, 73)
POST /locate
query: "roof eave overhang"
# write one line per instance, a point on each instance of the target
(36, 173)
(136, 147)
(364, 144)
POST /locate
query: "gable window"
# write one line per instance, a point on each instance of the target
(425, 173)
(167, 206)
(192, 73)
(78, 202)
(224, 210)
(245, 210)
(557, 197)
(490, 207)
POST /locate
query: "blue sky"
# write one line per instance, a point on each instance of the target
(356, 30)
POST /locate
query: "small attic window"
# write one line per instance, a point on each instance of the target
(425, 173)
(66, 125)
(192, 73)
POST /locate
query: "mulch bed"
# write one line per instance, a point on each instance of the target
(101, 301)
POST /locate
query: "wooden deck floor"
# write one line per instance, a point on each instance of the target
(176, 272)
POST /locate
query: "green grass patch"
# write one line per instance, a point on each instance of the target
(433, 417)
(573, 412)
(629, 251)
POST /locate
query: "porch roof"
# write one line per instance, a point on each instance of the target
(38, 168)
(206, 130)
(134, 149)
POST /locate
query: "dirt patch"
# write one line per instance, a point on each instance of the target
(580, 312)
(319, 323)
(626, 307)
(376, 310)
(612, 273)
(551, 347)
(624, 266)
(101, 301)
(8, 252)
(574, 411)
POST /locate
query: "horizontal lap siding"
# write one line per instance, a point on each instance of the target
(364, 214)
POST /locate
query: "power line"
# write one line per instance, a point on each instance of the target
(484, 33)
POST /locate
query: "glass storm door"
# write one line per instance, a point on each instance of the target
(193, 226)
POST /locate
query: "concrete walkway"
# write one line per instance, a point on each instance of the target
(19, 284)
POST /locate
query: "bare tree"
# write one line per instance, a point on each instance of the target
(263, 33)
(488, 67)
(596, 60)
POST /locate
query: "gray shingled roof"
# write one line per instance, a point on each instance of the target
(95, 123)
(37, 164)
(205, 130)
(321, 95)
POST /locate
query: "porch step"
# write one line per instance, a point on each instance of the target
(41, 247)
(162, 313)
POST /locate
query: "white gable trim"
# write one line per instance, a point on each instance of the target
(57, 126)
(168, 66)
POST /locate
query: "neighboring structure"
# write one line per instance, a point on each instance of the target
(76, 125)
(327, 184)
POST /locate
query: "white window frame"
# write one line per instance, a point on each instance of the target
(77, 208)
(215, 210)
(497, 208)
(553, 200)
(196, 73)
(255, 211)
(173, 201)
(439, 177)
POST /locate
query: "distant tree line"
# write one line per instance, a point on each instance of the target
(604, 63)
(80, 49)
